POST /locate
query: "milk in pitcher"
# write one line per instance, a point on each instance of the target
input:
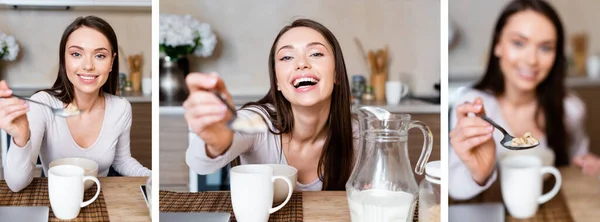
(380, 205)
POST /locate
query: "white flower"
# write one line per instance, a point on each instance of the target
(9, 49)
(184, 30)
(208, 41)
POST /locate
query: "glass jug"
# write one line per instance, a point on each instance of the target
(382, 186)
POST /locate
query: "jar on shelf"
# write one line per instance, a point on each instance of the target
(429, 193)
(368, 95)
(358, 88)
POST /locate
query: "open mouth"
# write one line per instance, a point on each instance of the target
(305, 82)
(87, 77)
(527, 73)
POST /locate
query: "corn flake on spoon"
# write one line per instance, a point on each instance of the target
(62, 112)
(510, 142)
(253, 125)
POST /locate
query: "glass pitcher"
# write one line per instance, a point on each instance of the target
(382, 186)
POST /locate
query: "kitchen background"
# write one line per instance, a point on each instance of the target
(245, 31)
(468, 53)
(38, 27)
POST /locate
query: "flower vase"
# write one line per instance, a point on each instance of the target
(173, 90)
(184, 64)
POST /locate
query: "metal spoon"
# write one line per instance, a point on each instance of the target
(62, 112)
(507, 137)
(232, 124)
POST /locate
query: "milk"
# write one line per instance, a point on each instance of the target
(380, 205)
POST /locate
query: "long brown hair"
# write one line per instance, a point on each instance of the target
(63, 88)
(551, 92)
(335, 163)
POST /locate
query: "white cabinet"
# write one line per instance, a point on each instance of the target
(118, 3)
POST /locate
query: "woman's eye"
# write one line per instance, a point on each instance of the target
(100, 56)
(285, 58)
(317, 54)
(517, 43)
(546, 48)
(75, 54)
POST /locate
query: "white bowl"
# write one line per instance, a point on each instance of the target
(90, 167)
(280, 188)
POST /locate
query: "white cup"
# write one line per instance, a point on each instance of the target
(395, 91)
(252, 192)
(521, 182)
(147, 86)
(280, 191)
(65, 189)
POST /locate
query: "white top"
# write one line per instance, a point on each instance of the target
(260, 148)
(460, 183)
(52, 139)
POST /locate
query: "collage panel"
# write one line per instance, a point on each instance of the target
(523, 89)
(75, 110)
(300, 110)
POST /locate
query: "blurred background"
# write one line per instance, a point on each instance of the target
(471, 39)
(470, 30)
(245, 31)
(35, 29)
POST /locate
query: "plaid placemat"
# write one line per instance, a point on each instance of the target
(555, 210)
(221, 202)
(36, 194)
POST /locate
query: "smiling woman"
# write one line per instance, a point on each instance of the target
(87, 79)
(307, 109)
(523, 90)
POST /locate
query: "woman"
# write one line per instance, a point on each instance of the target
(307, 110)
(522, 90)
(87, 79)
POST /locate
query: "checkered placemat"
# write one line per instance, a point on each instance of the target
(36, 194)
(555, 210)
(221, 202)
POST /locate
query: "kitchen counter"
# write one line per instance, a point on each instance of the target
(408, 105)
(570, 81)
(132, 97)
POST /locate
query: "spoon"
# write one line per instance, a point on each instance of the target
(62, 112)
(507, 137)
(253, 125)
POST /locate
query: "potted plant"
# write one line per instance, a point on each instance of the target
(180, 36)
(9, 49)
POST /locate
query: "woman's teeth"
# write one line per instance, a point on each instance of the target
(87, 77)
(527, 73)
(305, 82)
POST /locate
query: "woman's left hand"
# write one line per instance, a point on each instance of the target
(589, 163)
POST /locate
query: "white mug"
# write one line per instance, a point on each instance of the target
(521, 182)
(395, 91)
(147, 86)
(65, 189)
(252, 192)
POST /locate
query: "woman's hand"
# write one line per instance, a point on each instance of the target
(13, 118)
(589, 163)
(205, 114)
(472, 141)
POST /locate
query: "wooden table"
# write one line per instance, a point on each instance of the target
(325, 206)
(124, 199)
(582, 194)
